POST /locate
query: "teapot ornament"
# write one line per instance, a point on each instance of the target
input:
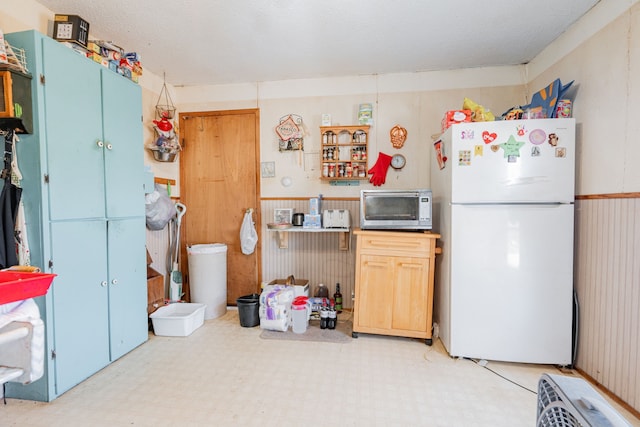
(163, 124)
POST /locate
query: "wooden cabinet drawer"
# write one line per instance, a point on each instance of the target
(395, 243)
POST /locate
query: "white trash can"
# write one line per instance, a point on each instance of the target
(208, 277)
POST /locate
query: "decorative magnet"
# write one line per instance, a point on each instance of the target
(553, 139)
(466, 134)
(464, 157)
(561, 152)
(511, 147)
(537, 136)
(477, 150)
(440, 157)
(488, 137)
(535, 151)
(398, 136)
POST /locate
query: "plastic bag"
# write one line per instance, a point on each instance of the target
(159, 209)
(248, 234)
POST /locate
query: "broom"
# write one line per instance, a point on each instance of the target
(175, 286)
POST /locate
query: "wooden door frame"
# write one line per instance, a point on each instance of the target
(257, 209)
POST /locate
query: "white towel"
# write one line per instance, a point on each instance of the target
(27, 311)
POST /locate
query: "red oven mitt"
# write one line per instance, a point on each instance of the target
(378, 173)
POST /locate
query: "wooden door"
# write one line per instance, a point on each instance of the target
(219, 181)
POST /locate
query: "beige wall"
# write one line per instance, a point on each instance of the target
(415, 101)
(606, 69)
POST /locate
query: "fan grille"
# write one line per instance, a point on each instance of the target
(557, 415)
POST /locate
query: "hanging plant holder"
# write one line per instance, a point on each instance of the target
(164, 106)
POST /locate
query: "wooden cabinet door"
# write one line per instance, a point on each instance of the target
(80, 301)
(410, 294)
(73, 130)
(123, 146)
(127, 285)
(374, 293)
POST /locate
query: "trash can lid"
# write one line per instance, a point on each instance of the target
(207, 248)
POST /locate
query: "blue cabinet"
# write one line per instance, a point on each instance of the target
(84, 202)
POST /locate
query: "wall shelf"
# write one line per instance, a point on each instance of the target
(283, 235)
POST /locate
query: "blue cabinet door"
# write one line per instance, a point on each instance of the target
(73, 132)
(124, 145)
(80, 301)
(127, 285)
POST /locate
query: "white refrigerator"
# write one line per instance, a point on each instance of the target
(503, 203)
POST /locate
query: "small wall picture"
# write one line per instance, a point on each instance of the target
(282, 215)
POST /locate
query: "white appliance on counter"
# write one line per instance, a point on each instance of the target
(503, 197)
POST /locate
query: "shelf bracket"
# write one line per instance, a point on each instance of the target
(283, 239)
(344, 241)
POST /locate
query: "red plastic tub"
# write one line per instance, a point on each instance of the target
(17, 286)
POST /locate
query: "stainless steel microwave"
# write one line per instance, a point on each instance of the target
(395, 209)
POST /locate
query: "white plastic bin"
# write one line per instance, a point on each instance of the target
(208, 277)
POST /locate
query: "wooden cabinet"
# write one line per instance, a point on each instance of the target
(345, 150)
(84, 202)
(394, 283)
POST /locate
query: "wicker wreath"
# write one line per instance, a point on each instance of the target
(398, 136)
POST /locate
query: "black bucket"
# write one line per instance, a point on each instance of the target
(248, 310)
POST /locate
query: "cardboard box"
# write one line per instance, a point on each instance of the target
(155, 288)
(71, 28)
(300, 286)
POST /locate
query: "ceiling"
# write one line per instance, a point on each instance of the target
(199, 42)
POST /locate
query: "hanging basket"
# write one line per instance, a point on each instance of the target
(164, 105)
(165, 111)
(164, 156)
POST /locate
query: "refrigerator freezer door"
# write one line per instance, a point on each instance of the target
(512, 282)
(513, 161)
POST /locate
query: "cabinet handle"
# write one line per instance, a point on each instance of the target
(100, 143)
(376, 264)
(103, 283)
(410, 265)
(109, 146)
(386, 243)
(114, 282)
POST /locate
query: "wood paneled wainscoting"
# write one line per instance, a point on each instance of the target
(316, 257)
(607, 281)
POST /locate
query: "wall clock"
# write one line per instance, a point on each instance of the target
(398, 161)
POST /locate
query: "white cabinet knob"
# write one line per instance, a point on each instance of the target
(103, 283)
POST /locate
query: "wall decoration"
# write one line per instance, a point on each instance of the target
(398, 136)
(268, 169)
(365, 114)
(290, 131)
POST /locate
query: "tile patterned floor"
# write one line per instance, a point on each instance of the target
(225, 375)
